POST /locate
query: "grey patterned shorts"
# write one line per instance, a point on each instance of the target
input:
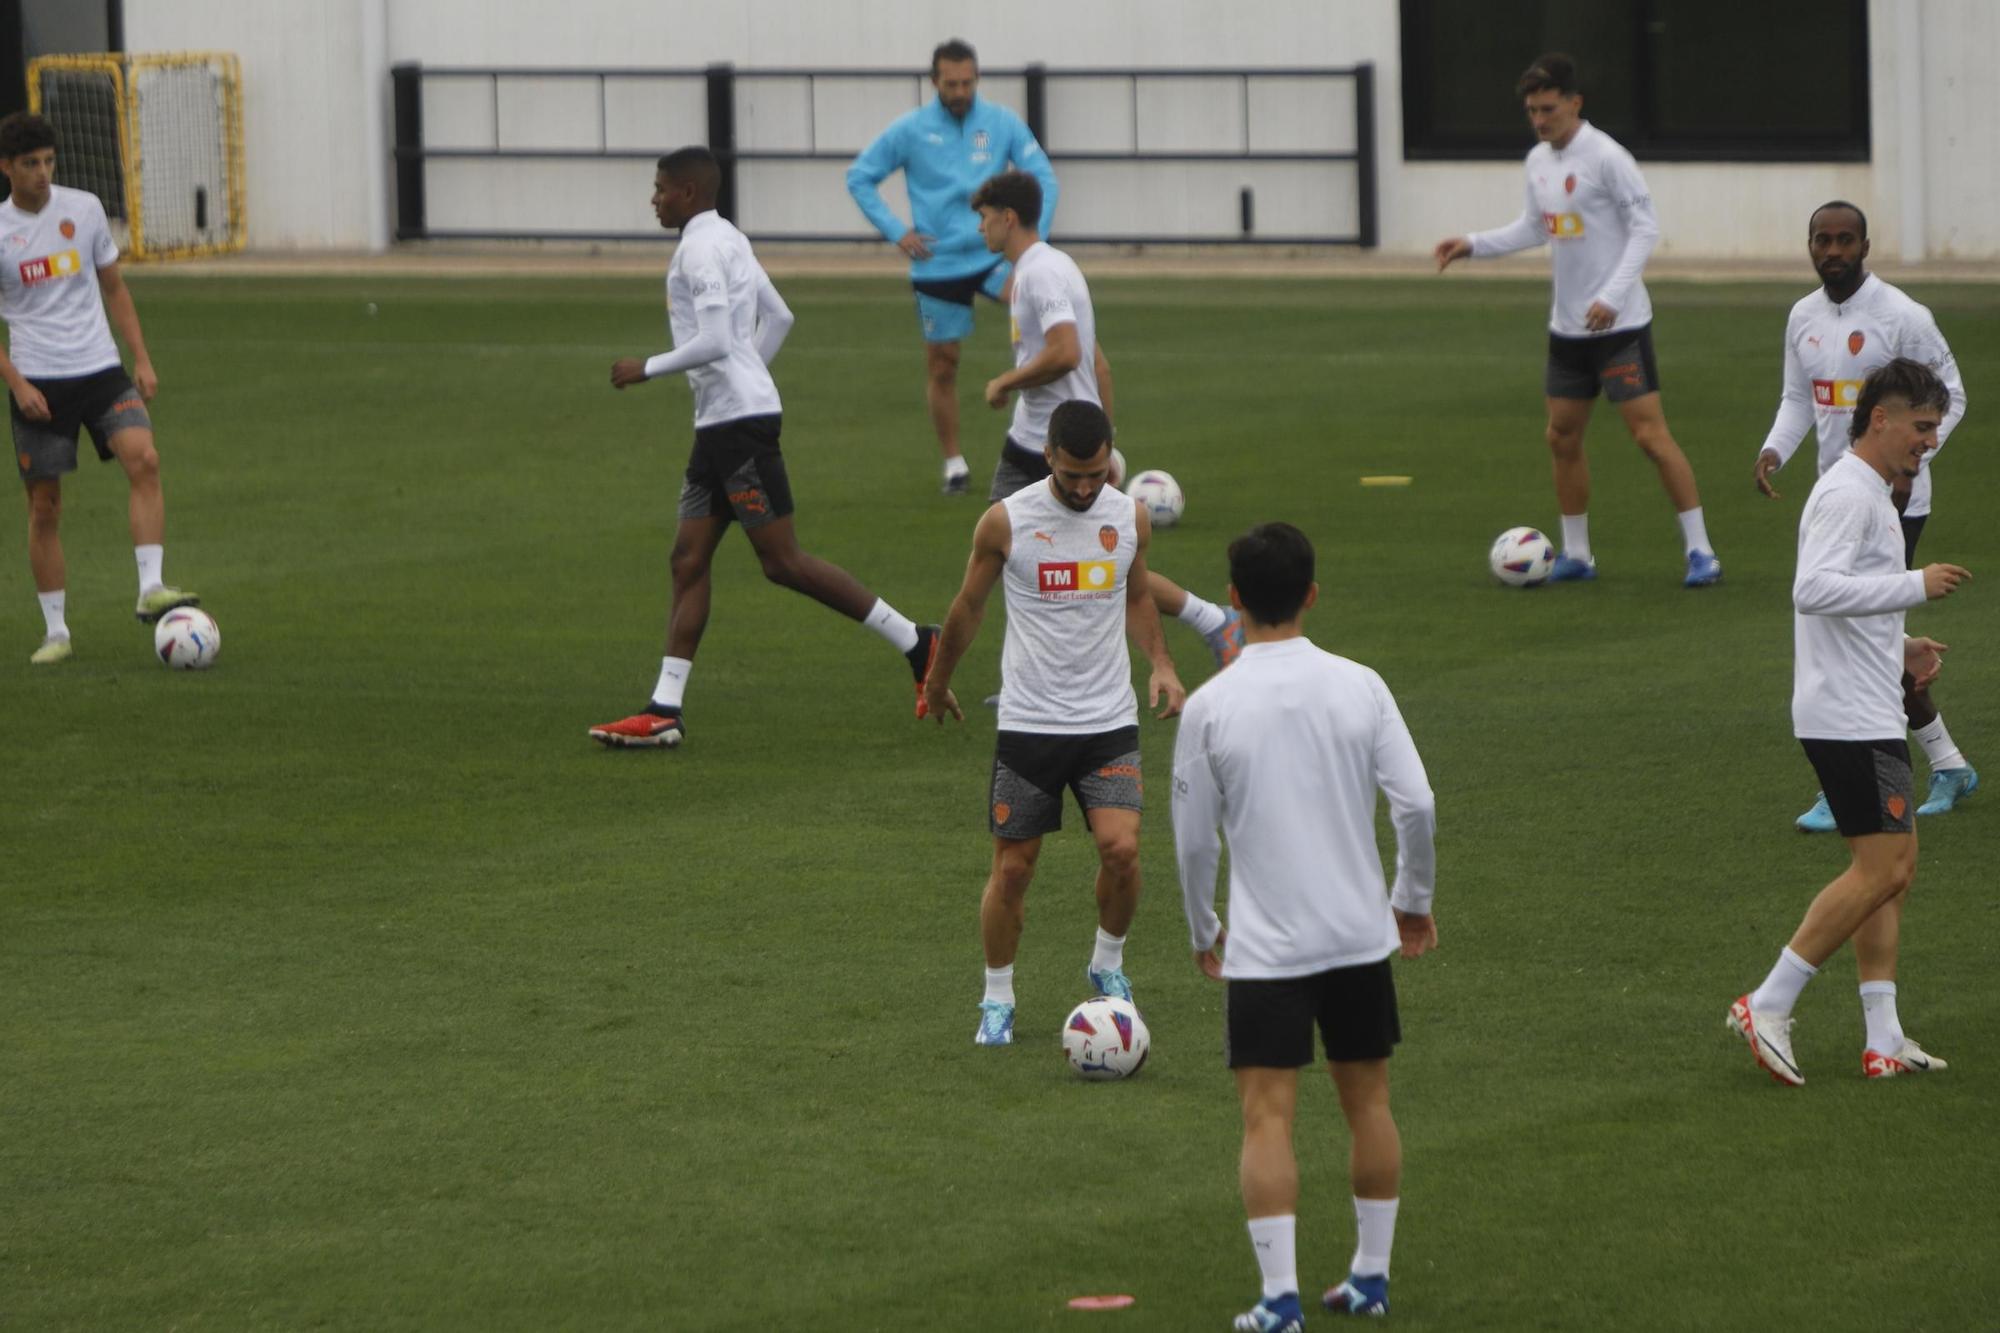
(1031, 769)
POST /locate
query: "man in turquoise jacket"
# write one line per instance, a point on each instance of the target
(946, 150)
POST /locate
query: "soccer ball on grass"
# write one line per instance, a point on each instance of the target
(1522, 557)
(187, 639)
(1105, 1038)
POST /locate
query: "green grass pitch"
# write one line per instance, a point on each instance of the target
(348, 985)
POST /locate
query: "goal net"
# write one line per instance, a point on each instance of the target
(158, 138)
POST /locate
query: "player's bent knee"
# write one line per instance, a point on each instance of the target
(1119, 854)
(44, 505)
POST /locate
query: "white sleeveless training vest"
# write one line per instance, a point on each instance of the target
(1065, 669)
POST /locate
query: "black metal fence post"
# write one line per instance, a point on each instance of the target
(408, 82)
(1038, 104)
(1368, 224)
(722, 133)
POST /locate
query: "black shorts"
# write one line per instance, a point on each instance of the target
(103, 403)
(1913, 528)
(737, 472)
(1269, 1024)
(958, 291)
(1031, 768)
(1019, 467)
(1868, 784)
(1621, 364)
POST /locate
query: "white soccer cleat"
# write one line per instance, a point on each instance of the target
(1911, 1059)
(1770, 1040)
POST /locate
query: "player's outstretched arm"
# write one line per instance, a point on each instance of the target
(1142, 625)
(1450, 250)
(991, 540)
(124, 317)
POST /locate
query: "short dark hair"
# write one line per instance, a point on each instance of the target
(1012, 189)
(24, 133)
(1079, 428)
(1271, 568)
(1839, 203)
(1552, 71)
(695, 165)
(953, 48)
(1912, 381)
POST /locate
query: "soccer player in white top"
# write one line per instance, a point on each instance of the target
(1586, 198)
(59, 281)
(728, 321)
(1850, 657)
(1286, 751)
(1070, 555)
(1834, 337)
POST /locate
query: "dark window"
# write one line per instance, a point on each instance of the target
(1688, 80)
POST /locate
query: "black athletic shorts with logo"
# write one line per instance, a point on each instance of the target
(1019, 467)
(1868, 784)
(737, 472)
(1269, 1024)
(1031, 769)
(1620, 364)
(102, 403)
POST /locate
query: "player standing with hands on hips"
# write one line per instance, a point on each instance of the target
(1586, 198)
(58, 283)
(1850, 657)
(1285, 751)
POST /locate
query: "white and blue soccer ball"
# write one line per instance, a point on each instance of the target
(1160, 494)
(1522, 557)
(187, 639)
(1105, 1038)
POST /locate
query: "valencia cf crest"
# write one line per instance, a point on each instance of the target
(1569, 184)
(1108, 535)
(68, 229)
(1855, 340)
(979, 141)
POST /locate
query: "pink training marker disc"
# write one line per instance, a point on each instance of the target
(1100, 1302)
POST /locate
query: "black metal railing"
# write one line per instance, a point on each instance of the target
(724, 89)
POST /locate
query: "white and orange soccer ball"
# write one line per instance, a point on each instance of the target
(1161, 495)
(1105, 1038)
(187, 639)
(1522, 557)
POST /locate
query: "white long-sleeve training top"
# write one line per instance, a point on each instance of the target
(1590, 202)
(1285, 752)
(1848, 599)
(1831, 348)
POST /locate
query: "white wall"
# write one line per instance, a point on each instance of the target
(315, 78)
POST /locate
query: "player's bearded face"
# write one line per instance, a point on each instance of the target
(1553, 114)
(1837, 246)
(1078, 481)
(956, 81)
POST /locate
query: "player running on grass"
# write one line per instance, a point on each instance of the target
(1587, 199)
(1849, 595)
(59, 282)
(728, 321)
(1070, 556)
(1834, 337)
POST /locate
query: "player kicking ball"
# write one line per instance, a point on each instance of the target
(728, 322)
(1070, 555)
(64, 374)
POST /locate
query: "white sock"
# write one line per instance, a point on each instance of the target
(1000, 984)
(1780, 990)
(1375, 1227)
(955, 466)
(1694, 532)
(1576, 536)
(1109, 955)
(1878, 1008)
(673, 681)
(52, 612)
(150, 559)
(1275, 1239)
(1938, 747)
(893, 625)
(1204, 617)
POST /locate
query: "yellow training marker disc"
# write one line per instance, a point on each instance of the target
(1386, 481)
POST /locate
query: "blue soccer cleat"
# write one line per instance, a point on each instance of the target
(1819, 819)
(1359, 1295)
(1568, 569)
(1113, 983)
(1704, 570)
(996, 1024)
(1273, 1314)
(1949, 786)
(1226, 644)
